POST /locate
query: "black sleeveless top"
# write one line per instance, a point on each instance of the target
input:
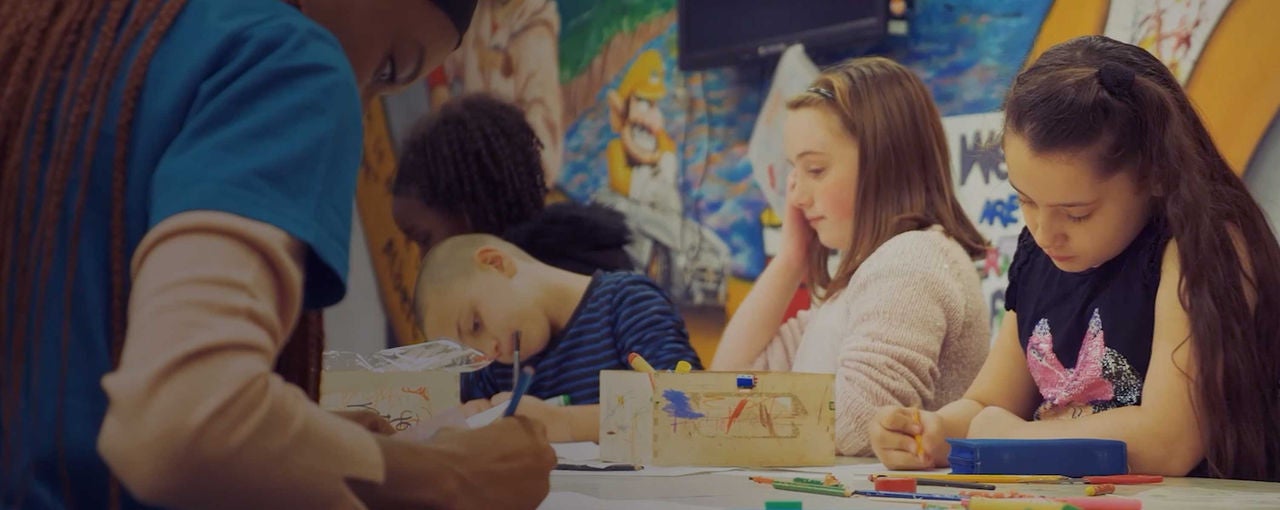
(1087, 336)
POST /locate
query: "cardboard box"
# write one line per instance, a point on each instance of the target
(404, 398)
(747, 419)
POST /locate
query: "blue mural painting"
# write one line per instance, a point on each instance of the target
(966, 51)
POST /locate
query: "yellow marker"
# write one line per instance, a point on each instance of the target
(1018, 504)
(683, 367)
(1100, 489)
(639, 364)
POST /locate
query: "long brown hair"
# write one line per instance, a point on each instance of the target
(904, 177)
(1119, 102)
(54, 54)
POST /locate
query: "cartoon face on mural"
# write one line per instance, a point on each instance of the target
(685, 257)
(642, 161)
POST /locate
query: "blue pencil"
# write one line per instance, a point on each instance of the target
(515, 359)
(523, 380)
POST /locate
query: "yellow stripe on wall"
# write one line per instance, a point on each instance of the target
(1236, 82)
(395, 259)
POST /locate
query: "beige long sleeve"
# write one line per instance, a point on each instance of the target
(780, 353)
(196, 416)
(915, 308)
(910, 330)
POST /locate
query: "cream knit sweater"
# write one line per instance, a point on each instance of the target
(911, 329)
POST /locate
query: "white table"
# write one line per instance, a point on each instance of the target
(737, 492)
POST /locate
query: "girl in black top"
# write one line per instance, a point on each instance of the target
(1143, 297)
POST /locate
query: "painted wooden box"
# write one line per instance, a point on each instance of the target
(406, 399)
(754, 419)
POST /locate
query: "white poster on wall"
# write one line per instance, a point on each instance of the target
(764, 150)
(1175, 31)
(982, 186)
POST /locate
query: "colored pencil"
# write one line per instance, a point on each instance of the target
(826, 490)
(515, 359)
(980, 478)
(909, 495)
(954, 484)
(523, 380)
(919, 437)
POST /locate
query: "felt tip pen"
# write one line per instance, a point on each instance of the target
(638, 363)
(560, 401)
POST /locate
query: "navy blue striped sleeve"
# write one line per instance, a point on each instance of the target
(477, 385)
(648, 323)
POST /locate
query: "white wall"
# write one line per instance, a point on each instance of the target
(1263, 175)
(359, 323)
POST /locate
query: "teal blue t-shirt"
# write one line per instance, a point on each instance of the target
(249, 108)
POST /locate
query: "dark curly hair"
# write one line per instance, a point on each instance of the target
(477, 158)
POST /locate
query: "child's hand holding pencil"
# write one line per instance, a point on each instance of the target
(553, 416)
(908, 438)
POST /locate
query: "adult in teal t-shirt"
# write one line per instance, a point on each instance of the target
(135, 131)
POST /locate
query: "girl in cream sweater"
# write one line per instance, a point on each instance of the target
(902, 321)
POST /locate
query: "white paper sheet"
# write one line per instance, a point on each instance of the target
(486, 417)
(648, 471)
(578, 452)
(1210, 498)
(847, 473)
(588, 454)
(575, 501)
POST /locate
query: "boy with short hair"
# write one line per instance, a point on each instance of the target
(485, 292)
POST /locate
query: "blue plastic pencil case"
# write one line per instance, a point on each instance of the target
(1066, 457)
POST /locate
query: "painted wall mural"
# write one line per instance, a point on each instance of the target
(713, 229)
(622, 125)
(1175, 31)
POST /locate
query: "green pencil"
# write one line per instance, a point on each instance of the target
(825, 490)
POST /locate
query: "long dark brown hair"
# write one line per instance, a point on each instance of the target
(1119, 102)
(904, 177)
(41, 41)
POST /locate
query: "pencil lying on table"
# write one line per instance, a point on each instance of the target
(935, 482)
(978, 478)
(828, 490)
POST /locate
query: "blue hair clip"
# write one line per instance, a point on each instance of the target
(822, 92)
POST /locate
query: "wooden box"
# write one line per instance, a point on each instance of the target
(404, 398)
(749, 419)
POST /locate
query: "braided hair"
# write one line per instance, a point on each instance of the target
(476, 158)
(52, 55)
